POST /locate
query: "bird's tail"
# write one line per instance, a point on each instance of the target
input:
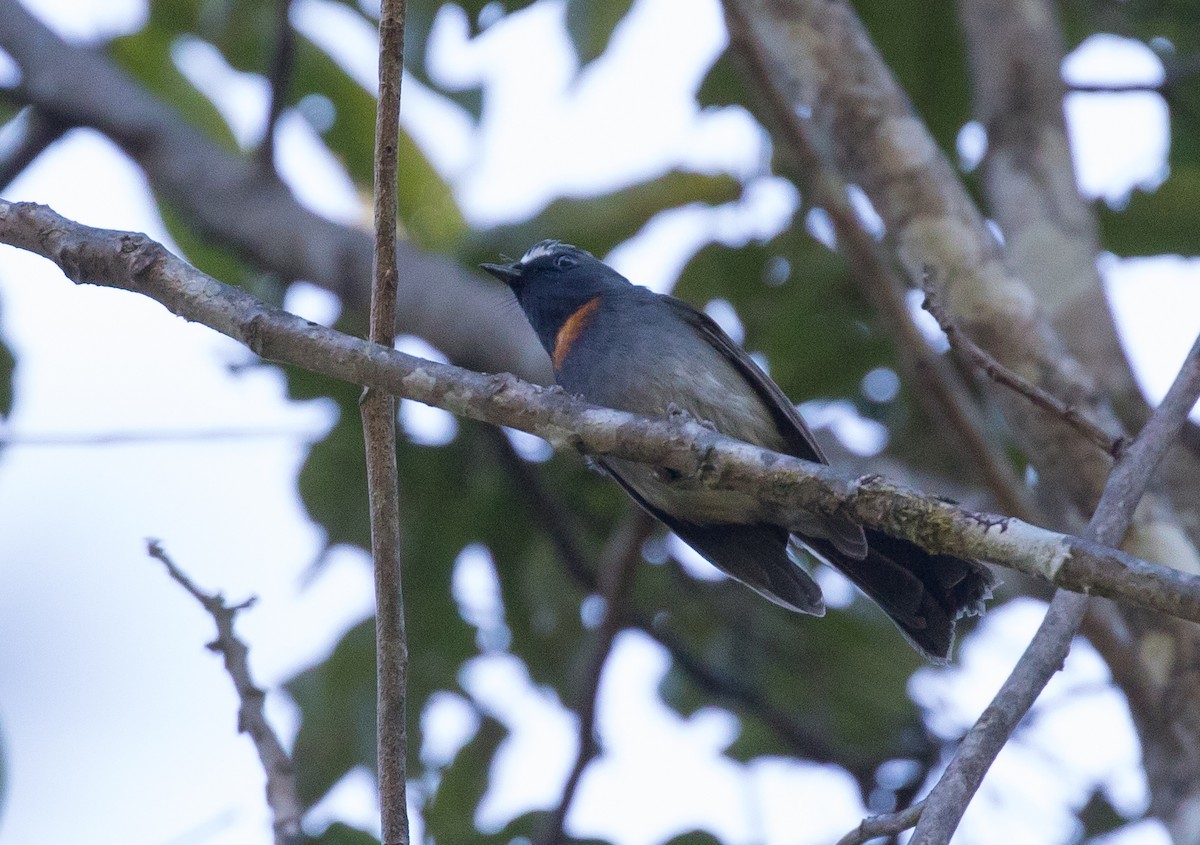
(923, 593)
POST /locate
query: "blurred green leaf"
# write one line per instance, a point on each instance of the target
(600, 223)
(722, 85)
(847, 705)
(1099, 817)
(449, 817)
(1159, 222)
(337, 708)
(798, 307)
(146, 55)
(427, 207)
(695, 837)
(922, 44)
(591, 24)
(342, 834)
(8, 366)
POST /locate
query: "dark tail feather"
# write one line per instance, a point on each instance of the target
(923, 593)
(757, 556)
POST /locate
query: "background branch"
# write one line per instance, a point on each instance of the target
(282, 798)
(1002, 375)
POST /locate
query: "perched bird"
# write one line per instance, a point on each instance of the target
(622, 346)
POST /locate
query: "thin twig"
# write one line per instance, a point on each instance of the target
(282, 798)
(888, 824)
(1045, 654)
(378, 409)
(280, 76)
(1001, 374)
(618, 563)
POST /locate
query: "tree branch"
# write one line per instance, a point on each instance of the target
(1044, 656)
(785, 487)
(888, 824)
(378, 409)
(281, 777)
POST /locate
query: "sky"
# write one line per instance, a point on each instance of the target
(106, 692)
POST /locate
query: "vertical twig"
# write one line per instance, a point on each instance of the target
(946, 803)
(379, 430)
(279, 75)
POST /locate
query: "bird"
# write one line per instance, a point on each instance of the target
(623, 346)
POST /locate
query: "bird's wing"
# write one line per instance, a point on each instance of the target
(847, 536)
(795, 431)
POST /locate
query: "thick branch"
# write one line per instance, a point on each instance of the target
(282, 798)
(785, 487)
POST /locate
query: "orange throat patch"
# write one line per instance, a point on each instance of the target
(570, 331)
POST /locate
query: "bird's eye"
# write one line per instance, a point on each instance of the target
(564, 262)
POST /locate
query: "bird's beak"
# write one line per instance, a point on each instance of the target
(507, 273)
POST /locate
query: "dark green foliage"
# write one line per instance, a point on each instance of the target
(590, 25)
(8, 366)
(922, 44)
(342, 834)
(599, 223)
(1160, 222)
(337, 700)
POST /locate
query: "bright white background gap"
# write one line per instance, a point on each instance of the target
(106, 694)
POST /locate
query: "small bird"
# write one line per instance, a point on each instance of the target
(623, 346)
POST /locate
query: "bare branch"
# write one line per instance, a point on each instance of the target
(785, 487)
(1045, 654)
(378, 410)
(888, 824)
(1002, 375)
(281, 777)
